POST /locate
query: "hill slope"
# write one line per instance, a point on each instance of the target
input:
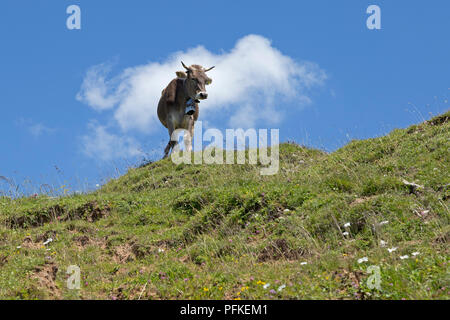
(166, 231)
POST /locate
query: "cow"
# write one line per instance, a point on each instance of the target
(178, 105)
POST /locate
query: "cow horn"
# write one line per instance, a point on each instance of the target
(185, 66)
(209, 69)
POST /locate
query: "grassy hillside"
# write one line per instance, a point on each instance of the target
(166, 231)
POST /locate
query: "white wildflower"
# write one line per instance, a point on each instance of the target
(160, 250)
(266, 285)
(404, 257)
(303, 263)
(281, 287)
(392, 249)
(347, 225)
(345, 233)
(415, 253)
(383, 222)
(364, 259)
(383, 243)
(47, 241)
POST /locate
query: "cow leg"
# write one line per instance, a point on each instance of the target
(167, 149)
(171, 143)
(189, 135)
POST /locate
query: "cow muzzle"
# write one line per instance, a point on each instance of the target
(201, 96)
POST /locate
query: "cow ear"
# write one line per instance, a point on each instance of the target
(181, 74)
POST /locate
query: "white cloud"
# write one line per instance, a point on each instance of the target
(98, 92)
(253, 81)
(102, 145)
(36, 129)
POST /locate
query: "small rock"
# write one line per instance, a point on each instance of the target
(412, 186)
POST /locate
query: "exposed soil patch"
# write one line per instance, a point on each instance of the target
(3, 260)
(126, 292)
(166, 244)
(82, 240)
(40, 239)
(361, 200)
(358, 201)
(82, 229)
(123, 253)
(279, 249)
(37, 218)
(28, 243)
(442, 238)
(140, 251)
(350, 279)
(438, 120)
(118, 294)
(46, 277)
(46, 235)
(224, 251)
(131, 251)
(274, 213)
(90, 211)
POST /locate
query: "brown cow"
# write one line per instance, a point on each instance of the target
(187, 88)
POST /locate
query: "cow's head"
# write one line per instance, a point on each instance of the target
(196, 81)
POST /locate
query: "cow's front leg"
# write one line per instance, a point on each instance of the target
(189, 135)
(171, 143)
(170, 146)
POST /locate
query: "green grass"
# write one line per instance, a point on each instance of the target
(166, 231)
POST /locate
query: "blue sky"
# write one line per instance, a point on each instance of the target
(365, 82)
